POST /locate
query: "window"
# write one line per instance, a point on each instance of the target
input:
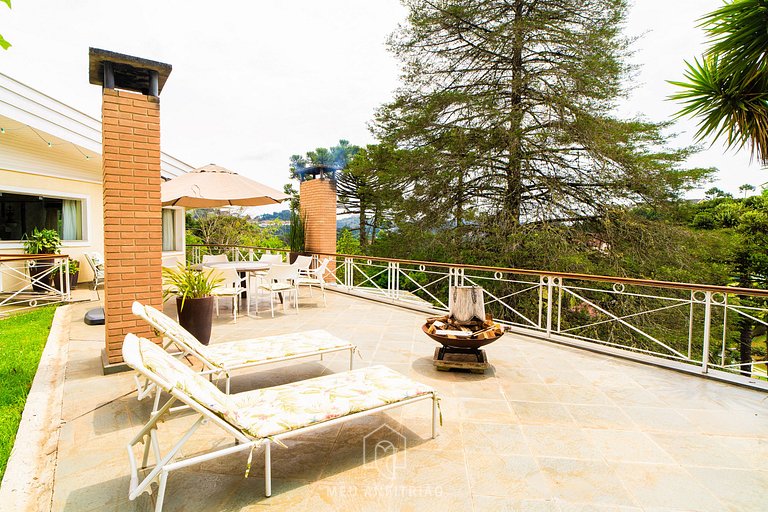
(169, 230)
(21, 214)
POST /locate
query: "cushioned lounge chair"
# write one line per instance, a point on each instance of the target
(255, 418)
(224, 358)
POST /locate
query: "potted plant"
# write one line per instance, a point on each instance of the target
(74, 274)
(296, 235)
(43, 241)
(193, 290)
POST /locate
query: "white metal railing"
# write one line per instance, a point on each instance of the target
(195, 253)
(28, 281)
(674, 324)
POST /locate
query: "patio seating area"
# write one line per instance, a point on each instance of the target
(548, 428)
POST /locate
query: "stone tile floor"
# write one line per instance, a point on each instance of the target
(550, 428)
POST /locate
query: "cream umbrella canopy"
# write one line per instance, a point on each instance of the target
(213, 186)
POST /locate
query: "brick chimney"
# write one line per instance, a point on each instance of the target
(318, 208)
(131, 189)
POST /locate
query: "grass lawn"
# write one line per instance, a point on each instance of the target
(22, 339)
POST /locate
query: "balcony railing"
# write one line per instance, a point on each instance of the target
(689, 327)
(28, 281)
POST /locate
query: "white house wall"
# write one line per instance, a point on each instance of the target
(88, 191)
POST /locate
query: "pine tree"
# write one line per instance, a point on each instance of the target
(514, 99)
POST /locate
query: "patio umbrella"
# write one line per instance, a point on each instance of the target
(212, 186)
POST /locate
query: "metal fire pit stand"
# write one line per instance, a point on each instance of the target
(454, 358)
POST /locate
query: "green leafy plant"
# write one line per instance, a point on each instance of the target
(296, 235)
(74, 268)
(44, 241)
(188, 283)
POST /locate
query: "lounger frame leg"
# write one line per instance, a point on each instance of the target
(434, 415)
(267, 469)
(161, 491)
(352, 356)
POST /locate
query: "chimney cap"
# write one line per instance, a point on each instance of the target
(131, 73)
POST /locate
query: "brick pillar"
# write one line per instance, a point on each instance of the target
(318, 208)
(132, 213)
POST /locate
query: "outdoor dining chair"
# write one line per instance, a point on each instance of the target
(302, 263)
(316, 277)
(280, 280)
(96, 262)
(231, 286)
(214, 258)
(271, 258)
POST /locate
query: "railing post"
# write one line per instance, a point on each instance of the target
(393, 279)
(690, 324)
(707, 325)
(65, 282)
(250, 254)
(542, 281)
(725, 328)
(458, 276)
(559, 302)
(549, 306)
(348, 269)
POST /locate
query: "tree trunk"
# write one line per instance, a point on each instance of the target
(746, 327)
(745, 345)
(513, 192)
(362, 219)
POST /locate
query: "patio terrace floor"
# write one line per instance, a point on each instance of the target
(550, 428)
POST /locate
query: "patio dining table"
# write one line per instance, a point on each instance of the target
(240, 266)
(246, 268)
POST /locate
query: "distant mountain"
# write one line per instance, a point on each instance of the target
(348, 222)
(281, 215)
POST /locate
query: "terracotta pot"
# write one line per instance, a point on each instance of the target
(196, 317)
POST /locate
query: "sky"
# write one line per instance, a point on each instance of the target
(255, 82)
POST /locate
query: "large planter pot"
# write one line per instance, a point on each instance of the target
(39, 282)
(196, 317)
(72, 280)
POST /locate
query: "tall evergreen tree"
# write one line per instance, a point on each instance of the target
(369, 187)
(514, 98)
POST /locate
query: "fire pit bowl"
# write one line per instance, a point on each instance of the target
(466, 343)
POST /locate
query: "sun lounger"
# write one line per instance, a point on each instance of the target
(255, 418)
(224, 358)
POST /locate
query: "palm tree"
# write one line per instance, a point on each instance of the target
(728, 88)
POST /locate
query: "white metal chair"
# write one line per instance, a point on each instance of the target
(225, 358)
(254, 418)
(280, 280)
(271, 258)
(96, 262)
(316, 276)
(301, 264)
(231, 286)
(214, 258)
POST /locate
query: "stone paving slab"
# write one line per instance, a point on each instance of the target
(548, 428)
